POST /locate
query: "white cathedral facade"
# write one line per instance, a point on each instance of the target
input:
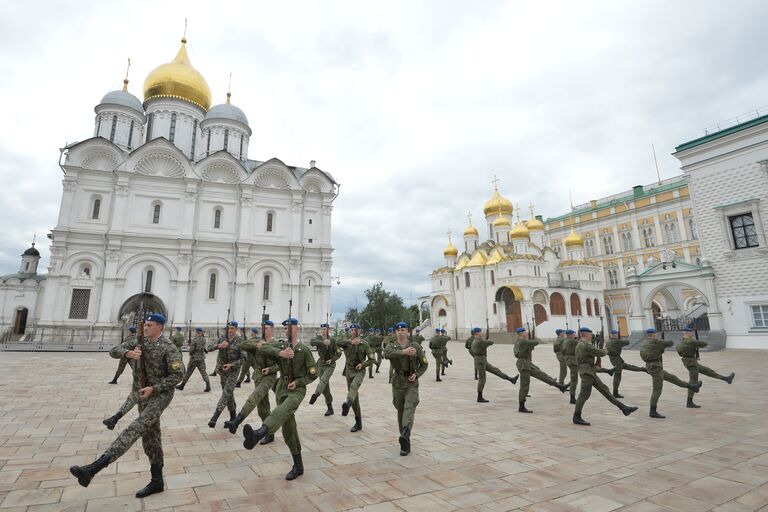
(163, 209)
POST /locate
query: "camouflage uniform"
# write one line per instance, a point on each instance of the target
(523, 352)
(258, 359)
(376, 342)
(405, 393)
(229, 355)
(118, 352)
(355, 354)
(652, 352)
(197, 351)
(569, 356)
(468, 346)
(437, 345)
(586, 354)
(178, 340)
(479, 350)
(613, 349)
(687, 349)
(327, 355)
(125, 361)
(557, 347)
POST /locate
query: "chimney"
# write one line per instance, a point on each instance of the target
(311, 164)
(637, 190)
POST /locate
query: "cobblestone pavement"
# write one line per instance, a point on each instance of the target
(466, 456)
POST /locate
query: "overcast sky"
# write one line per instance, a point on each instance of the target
(412, 106)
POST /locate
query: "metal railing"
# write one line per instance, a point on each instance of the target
(700, 323)
(734, 121)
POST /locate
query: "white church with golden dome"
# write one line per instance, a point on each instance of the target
(162, 208)
(514, 278)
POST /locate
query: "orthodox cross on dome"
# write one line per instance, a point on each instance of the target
(531, 207)
(184, 37)
(34, 237)
(469, 217)
(125, 80)
(449, 236)
(229, 88)
(495, 181)
(517, 212)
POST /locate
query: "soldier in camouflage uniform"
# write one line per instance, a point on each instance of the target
(417, 337)
(159, 369)
(297, 370)
(569, 356)
(523, 351)
(227, 367)
(265, 368)
(613, 348)
(327, 355)
(359, 356)
(435, 345)
(652, 352)
(557, 347)
(586, 354)
(468, 346)
(409, 363)
(246, 368)
(118, 352)
(123, 360)
(479, 351)
(178, 340)
(375, 342)
(197, 353)
(388, 340)
(446, 360)
(688, 350)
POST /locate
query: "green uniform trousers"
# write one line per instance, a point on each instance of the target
(147, 427)
(588, 381)
(227, 399)
(574, 369)
(121, 367)
(354, 381)
(283, 416)
(527, 370)
(658, 376)
(405, 399)
(133, 399)
(563, 368)
(482, 366)
(694, 369)
(439, 358)
(325, 371)
(245, 371)
(618, 366)
(259, 397)
(198, 364)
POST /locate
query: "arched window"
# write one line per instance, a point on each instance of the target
(96, 209)
(466, 279)
(270, 222)
(608, 244)
(626, 240)
(589, 307)
(442, 312)
(670, 231)
(217, 218)
(130, 135)
(148, 281)
(597, 307)
(156, 214)
(26, 267)
(539, 313)
(557, 304)
(575, 305)
(648, 239)
(309, 283)
(212, 286)
(589, 245)
(265, 294)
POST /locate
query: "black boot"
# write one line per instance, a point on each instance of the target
(112, 421)
(247, 379)
(238, 384)
(345, 408)
(610, 371)
(358, 426)
(563, 387)
(692, 405)
(235, 423)
(573, 399)
(627, 410)
(313, 399)
(212, 374)
(155, 485)
(329, 412)
(480, 399)
(232, 416)
(251, 437)
(438, 379)
(521, 408)
(180, 387)
(578, 420)
(214, 419)
(616, 394)
(113, 381)
(85, 474)
(298, 468)
(729, 378)
(370, 372)
(267, 439)
(654, 414)
(405, 441)
(207, 387)
(513, 380)
(695, 387)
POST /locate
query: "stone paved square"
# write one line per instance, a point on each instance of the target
(466, 456)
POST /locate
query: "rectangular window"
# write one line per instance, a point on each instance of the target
(98, 127)
(240, 153)
(212, 287)
(172, 132)
(78, 307)
(226, 140)
(743, 231)
(309, 240)
(760, 315)
(114, 128)
(194, 139)
(96, 208)
(150, 122)
(208, 144)
(130, 135)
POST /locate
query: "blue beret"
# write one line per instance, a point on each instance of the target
(570, 331)
(370, 329)
(475, 330)
(178, 328)
(378, 330)
(198, 329)
(558, 331)
(390, 329)
(401, 325)
(254, 329)
(156, 317)
(290, 321)
(417, 329)
(650, 330)
(354, 326)
(269, 323)
(520, 329)
(323, 326)
(585, 329)
(232, 323)
(132, 329)
(438, 330)
(688, 329)
(613, 331)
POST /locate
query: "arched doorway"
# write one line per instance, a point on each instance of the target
(20, 321)
(136, 308)
(511, 299)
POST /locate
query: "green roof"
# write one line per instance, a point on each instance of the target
(721, 133)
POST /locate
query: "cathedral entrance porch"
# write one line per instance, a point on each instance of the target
(136, 308)
(512, 307)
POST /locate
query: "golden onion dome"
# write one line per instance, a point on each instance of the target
(178, 79)
(497, 204)
(501, 222)
(471, 231)
(450, 250)
(535, 224)
(519, 231)
(573, 239)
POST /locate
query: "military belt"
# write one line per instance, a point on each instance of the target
(403, 373)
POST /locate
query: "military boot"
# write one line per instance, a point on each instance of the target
(627, 410)
(267, 439)
(113, 381)
(238, 384)
(370, 372)
(578, 420)
(521, 408)
(729, 378)
(247, 379)
(252, 437)
(85, 474)
(180, 387)
(329, 412)
(112, 421)
(405, 441)
(358, 426)
(438, 379)
(207, 387)
(695, 387)
(232, 416)
(573, 399)
(313, 398)
(654, 414)
(692, 405)
(345, 407)
(212, 374)
(155, 485)
(298, 468)
(513, 380)
(563, 387)
(481, 400)
(616, 393)
(234, 423)
(214, 419)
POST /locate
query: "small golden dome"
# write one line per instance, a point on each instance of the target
(573, 239)
(471, 231)
(519, 231)
(178, 79)
(497, 204)
(501, 222)
(535, 224)
(450, 250)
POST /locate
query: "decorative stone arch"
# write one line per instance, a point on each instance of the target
(316, 182)
(272, 265)
(96, 153)
(144, 258)
(221, 167)
(540, 297)
(273, 174)
(160, 158)
(72, 265)
(215, 261)
(136, 307)
(438, 297)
